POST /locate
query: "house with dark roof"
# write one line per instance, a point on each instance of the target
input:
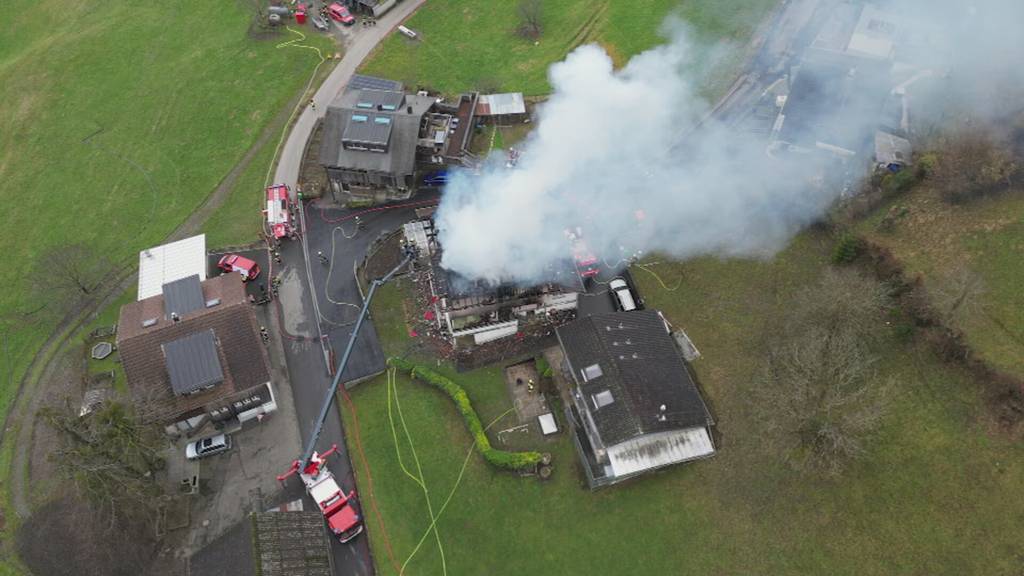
(374, 135)
(635, 408)
(193, 354)
(835, 103)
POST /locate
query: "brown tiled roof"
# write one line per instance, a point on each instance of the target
(243, 356)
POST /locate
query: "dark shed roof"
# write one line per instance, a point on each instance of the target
(183, 296)
(642, 370)
(192, 362)
(360, 82)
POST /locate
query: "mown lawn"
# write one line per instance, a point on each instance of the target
(117, 119)
(472, 44)
(987, 238)
(937, 496)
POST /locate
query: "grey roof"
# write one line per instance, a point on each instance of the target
(359, 82)
(365, 129)
(891, 149)
(183, 296)
(384, 100)
(192, 362)
(399, 158)
(640, 367)
(835, 99)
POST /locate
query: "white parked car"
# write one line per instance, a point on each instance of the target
(207, 446)
(622, 295)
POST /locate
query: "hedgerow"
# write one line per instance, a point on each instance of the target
(499, 458)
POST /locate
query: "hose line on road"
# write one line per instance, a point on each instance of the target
(327, 280)
(294, 43)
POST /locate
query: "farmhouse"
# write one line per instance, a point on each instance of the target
(469, 313)
(375, 135)
(635, 407)
(193, 354)
(834, 105)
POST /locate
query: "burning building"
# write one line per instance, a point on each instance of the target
(469, 313)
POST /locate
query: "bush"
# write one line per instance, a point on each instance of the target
(499, 458)
(847, 249)
(543, 368)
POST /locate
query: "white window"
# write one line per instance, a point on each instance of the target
(603, 398)
(591, 372)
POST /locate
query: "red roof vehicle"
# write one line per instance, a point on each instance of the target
(337, 507)
(235, 263)
(341, 14)
(586, 262)
(278, 212)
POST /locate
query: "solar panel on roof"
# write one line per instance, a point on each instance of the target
(359, 82)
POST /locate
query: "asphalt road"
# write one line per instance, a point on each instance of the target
(337, 298)
(362, 43)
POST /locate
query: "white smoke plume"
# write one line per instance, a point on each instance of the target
(617, 155)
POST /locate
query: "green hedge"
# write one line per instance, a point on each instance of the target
(499, 458)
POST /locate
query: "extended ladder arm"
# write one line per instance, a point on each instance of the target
(329, 400)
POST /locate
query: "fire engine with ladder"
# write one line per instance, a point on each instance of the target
(279, 212)
(338, 508)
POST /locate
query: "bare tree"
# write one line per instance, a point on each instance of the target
(819, 400)
(530, 13)
(69, 274)
(973, 163)
(842, 300)
(111, 457)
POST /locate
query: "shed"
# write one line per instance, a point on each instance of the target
(510, 105)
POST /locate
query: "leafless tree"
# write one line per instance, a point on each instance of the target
(819, 400)
(110, 457)
(973, 162)
(69, 274)
(530, 15)
(843, 299)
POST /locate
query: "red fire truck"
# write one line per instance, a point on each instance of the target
(279, 212)
(337, 507)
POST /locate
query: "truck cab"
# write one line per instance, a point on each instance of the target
(337, 507)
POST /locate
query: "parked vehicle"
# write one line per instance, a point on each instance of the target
(208, 447)
(244, 266)
(622, 295)
(279, 211)
(341, 14)
(439, 178)
(318, 23)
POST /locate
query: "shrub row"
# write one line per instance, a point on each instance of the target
(499, 458)
(1005, 391)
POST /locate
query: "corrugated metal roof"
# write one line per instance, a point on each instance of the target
(183, 296)
(169, 262)
(501, 104)
(192, 362)
(658, 450)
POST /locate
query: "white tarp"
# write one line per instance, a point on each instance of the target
(169, 262)
(661, 449)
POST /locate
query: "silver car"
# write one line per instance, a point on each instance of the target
(318, 23)
(207, 446)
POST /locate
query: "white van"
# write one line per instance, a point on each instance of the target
(621, 295)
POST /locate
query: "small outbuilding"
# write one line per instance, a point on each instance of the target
(503, 108)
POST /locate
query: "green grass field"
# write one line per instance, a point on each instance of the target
(171, 95)
(472, 44)
(937, 496)
(987, 237)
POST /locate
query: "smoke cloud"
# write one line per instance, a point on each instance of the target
(622, 157)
